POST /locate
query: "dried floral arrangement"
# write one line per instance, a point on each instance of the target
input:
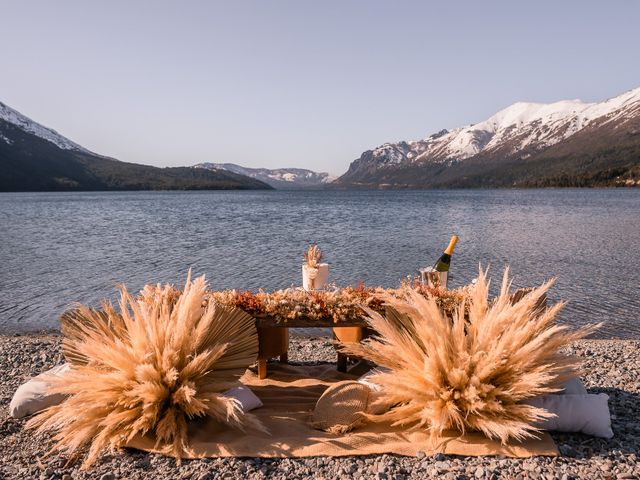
(472, 371)
(313, 256)
(447, 300)
(336, 304)
(160, 361)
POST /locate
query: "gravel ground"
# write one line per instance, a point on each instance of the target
(611, 366)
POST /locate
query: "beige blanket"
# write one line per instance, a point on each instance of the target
(289, 394)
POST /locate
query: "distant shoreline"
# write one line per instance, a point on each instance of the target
(332, 189)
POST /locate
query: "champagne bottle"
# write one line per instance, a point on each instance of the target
(443, 263)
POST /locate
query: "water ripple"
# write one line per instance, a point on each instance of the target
(59, 248)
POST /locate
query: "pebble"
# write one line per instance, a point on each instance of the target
(580, 456)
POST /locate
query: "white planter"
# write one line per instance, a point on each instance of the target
(315, 278)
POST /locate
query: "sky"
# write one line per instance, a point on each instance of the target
(299, 83)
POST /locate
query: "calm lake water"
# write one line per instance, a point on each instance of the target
(60, 248)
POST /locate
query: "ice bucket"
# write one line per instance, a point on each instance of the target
(433, 278)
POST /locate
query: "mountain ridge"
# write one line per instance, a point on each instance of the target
(521, 131)
(37, 158)
(526, 144)
(20, 120)
(279, 178)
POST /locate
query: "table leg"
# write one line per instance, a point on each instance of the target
(342, 363)
(262, 369)
(284, 358)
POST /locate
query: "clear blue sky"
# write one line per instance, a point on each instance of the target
(299, 83)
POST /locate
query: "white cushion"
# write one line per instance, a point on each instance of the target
(248, 400)
(573, 387)
(586, 413)
(31, 397)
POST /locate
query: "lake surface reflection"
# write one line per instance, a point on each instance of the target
(60, 248)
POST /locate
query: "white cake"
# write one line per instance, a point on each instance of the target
(315, 278)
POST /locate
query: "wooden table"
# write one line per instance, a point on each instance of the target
(273, 336)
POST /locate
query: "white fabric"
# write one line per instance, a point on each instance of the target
(31, 397)
(573, 387)
(315, 278)
(587, 413)
(575, 409)
(245, 396)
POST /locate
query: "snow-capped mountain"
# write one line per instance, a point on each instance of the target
(36, 158)
(280, 178)
(521, 130)
(24, 123)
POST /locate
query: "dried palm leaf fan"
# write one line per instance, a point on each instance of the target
(163, 359)
(468, 373)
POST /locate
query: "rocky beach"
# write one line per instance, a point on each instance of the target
(610, 366)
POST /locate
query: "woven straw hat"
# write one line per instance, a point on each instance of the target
(340, 407)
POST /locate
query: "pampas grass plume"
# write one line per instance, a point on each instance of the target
(472, 371)
(149, 366)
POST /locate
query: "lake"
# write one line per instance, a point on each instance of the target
(60, 248)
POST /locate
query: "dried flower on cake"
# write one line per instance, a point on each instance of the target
(313, 256)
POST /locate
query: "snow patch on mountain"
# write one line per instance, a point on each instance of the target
(392, 153)
(277, 178)
(5, 139)
(23, 122)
